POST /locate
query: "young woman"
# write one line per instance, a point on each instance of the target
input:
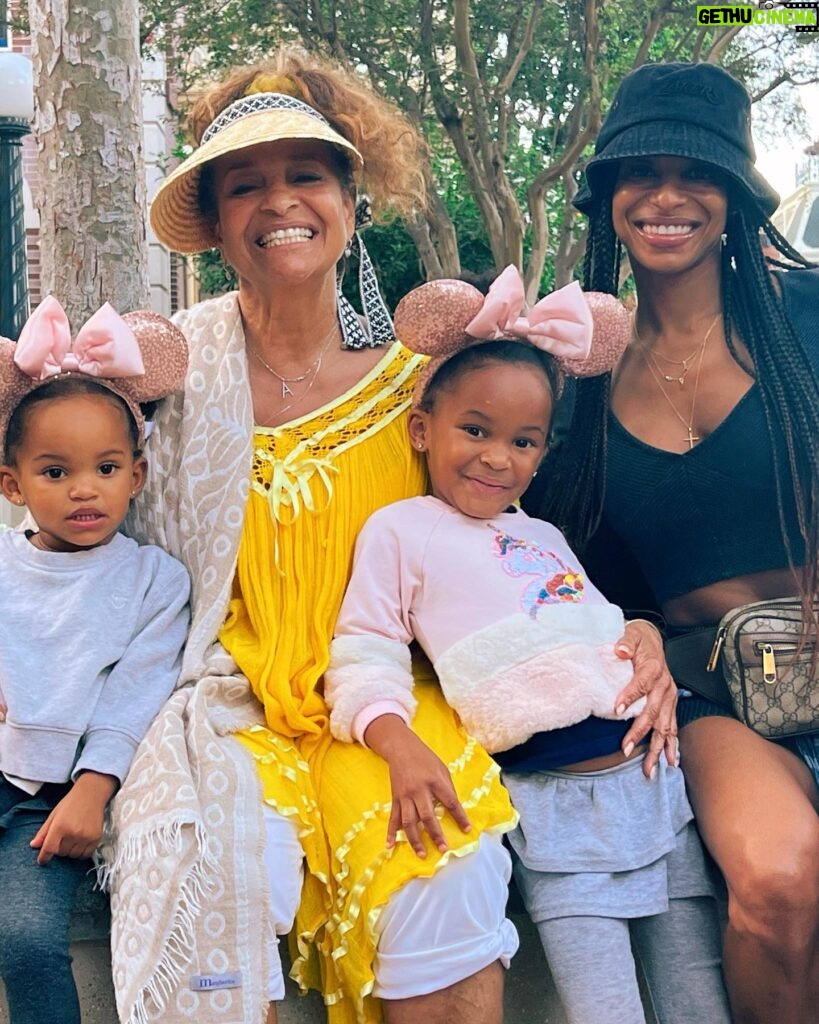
(701, 453)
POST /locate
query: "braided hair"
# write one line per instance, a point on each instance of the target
(786, 381)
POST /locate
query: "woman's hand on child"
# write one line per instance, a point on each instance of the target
(420, 783)
(642, 644)
(74, 827)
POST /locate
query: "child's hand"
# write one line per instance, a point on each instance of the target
(74, 827)
(420, 782)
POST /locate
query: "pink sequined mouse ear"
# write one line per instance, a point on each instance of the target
(610, 337)
(164, 354)
(14, 386)
(432, 318)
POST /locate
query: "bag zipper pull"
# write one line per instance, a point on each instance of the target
(715, 650)
(768, 664)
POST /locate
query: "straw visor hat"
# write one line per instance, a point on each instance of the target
(176, 217)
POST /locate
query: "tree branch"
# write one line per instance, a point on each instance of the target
(523, 50)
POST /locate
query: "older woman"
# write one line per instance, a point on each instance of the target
(290, 433)
(702, 453)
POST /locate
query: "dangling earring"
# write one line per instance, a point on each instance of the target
(377, 327)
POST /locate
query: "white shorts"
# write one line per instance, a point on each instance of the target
(432, 934)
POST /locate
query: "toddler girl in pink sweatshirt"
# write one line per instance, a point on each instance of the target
(525, 649)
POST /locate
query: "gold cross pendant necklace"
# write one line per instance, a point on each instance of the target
(655, 372)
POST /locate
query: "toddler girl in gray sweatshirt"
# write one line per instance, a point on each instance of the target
(92, 625)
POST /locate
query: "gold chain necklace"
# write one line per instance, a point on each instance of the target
(313, 369)
(313, 373)
(687, 423)
(686, 363)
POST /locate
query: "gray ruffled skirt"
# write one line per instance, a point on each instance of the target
(610, 843)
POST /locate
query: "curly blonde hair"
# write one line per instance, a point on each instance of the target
(392, 148)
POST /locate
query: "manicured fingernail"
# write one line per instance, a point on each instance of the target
(620, 709)
(628, 749)
(653, 774)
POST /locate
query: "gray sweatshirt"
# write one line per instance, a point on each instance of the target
(90, 648)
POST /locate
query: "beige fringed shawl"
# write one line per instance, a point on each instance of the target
(182, 904)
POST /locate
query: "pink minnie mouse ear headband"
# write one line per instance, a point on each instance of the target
(586, 333)
(140, 357)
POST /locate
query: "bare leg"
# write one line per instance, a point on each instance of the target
(756, 806)
(475, 1000)
(272, 1016)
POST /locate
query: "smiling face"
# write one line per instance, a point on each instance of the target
(75, 469)
(669, 212)
(283, 213)
(484, 436)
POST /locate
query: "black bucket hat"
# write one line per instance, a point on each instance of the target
(697, 111)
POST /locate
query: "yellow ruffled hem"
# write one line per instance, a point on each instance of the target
(287, 787)
(337, 926)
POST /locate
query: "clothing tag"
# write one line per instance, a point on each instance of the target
(211, 982)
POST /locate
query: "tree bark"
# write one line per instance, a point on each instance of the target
(90, 154)
(444, 260)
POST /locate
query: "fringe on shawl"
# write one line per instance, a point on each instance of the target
(198, 884)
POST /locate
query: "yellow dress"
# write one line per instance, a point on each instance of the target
(314, 483)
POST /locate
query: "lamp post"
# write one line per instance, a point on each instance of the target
(16, 114)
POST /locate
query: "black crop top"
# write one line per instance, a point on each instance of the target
(717, 501)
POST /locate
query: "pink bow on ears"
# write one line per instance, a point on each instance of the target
(104, 347)
(561, 323)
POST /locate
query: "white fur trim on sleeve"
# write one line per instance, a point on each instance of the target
(362, 671)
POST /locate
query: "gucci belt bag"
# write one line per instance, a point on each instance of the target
(769, 672)
(756, 664)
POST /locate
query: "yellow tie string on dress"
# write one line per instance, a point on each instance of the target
(289, 487)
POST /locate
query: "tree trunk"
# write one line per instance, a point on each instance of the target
(89, 136)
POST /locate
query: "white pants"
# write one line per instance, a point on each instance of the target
(433, 933)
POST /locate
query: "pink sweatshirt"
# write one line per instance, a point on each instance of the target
(521, 642)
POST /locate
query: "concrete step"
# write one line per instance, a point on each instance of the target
(530, 997)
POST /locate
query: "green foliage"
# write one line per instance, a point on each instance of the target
(213, 274)
(534, 97)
